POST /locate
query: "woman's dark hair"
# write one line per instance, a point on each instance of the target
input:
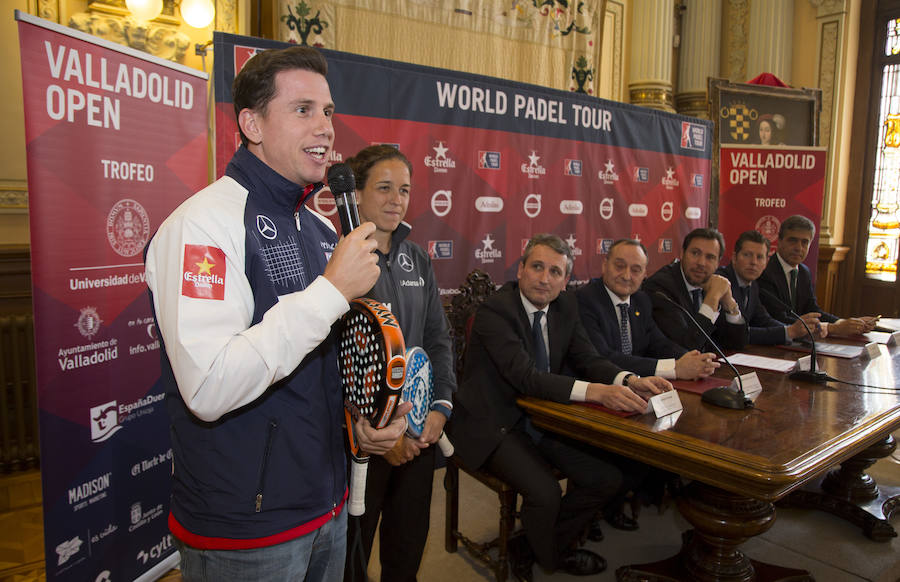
(363, 161)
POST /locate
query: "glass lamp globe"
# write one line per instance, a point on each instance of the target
(198, 13)
(144, 10)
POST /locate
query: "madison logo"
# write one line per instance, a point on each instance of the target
(637, 210)
(693, 136)
(532, 205)
(572, 167)
(533, 169)
(440, 249)
(442, 202)
(88, 323)
(104, 421)
(127, 227)
(489, 204)
(571, 207)
(203, 272)
(665, 245)
(608, 174)
(488, 254)
(488, 160)
(669, 180)
(440, 163)
(640, 174)
(697, 180)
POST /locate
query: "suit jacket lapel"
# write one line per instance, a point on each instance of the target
(777, 273)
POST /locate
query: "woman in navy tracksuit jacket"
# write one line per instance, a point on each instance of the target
(399, 483)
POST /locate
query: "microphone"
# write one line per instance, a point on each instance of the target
(811, 375)
(722, 396)
(343, 186)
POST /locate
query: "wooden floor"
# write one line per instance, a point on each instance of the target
(22, 530)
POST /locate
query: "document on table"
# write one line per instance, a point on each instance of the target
(762, 362)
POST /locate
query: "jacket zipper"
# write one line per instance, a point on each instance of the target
(270, 436)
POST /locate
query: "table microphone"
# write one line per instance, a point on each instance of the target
(811, 375)
(343, 187)
(722, 396)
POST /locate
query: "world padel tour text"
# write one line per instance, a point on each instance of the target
(98, 101)
(495, 102)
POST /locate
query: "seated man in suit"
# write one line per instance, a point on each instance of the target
(691, 286)
(632, 339)
(522, 338)
(790, 281)
(746, 266)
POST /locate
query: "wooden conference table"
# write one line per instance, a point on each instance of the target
(742, 461)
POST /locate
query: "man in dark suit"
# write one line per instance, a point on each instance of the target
(522, 338)
(746, 266)
(789, 279)
(692, 284)
(618, 318)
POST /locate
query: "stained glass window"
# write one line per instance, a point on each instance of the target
(884, 223)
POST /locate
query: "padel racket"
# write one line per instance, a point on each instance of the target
(373, 367)
(418, 388)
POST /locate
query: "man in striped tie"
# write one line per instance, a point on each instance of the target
(618, 317)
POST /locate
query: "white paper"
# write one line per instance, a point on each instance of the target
(666, 403)
(761, 362)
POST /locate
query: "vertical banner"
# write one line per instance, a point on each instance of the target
(495, 162)
(116, 139)
(761, 186)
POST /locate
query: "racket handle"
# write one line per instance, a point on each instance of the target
(359, 468)
(446, 445)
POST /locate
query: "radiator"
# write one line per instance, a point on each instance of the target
(19, 448)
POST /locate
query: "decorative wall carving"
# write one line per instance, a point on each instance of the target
(13, 197)
(111, 20)
(226, 16)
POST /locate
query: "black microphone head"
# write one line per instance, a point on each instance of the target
(341, 179)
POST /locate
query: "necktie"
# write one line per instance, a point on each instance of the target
(540, 349)
(745, 297)
(623, 329)
(697, 295)
(794, 288)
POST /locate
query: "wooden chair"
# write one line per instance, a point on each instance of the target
(477, 287)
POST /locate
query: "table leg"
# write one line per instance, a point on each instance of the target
(722, 521)
(851, 494)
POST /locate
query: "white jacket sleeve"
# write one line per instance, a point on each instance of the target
(220, 361)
